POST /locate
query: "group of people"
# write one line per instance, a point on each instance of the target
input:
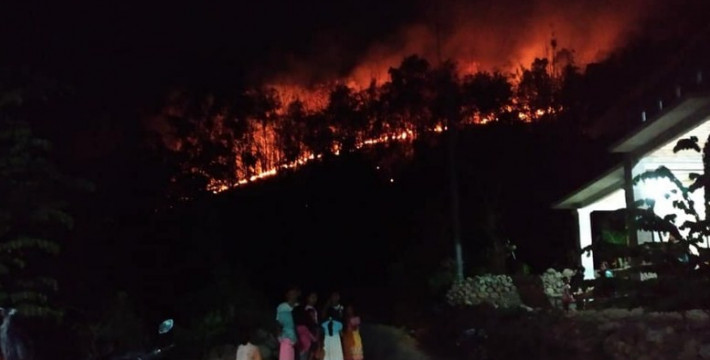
(333, 333)
(330, 334)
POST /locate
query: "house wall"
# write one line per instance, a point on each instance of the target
(614, 201)
(682, 164)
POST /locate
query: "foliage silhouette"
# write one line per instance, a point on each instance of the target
(34, 213)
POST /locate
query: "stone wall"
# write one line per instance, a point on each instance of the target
(602, 334)
(503, 291)
(635, 334)
(497, 290)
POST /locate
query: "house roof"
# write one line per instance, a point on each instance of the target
(596, 189)
(671, 122)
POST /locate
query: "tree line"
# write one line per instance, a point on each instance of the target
(216, 141)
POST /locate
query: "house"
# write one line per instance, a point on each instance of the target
(646, 149)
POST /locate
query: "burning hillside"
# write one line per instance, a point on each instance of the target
(390, 96)
(262, 131)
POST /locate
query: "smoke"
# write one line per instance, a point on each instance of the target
(498, 35)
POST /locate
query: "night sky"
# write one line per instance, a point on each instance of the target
(161, 43)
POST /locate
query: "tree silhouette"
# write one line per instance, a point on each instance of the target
(320, 136)
(447, 102)
(34, 214)
(203, 146)
(263, 103)
(485, 94)
(373, 110)
(536, 90)
(291, 131)
(344, 113)
(409, 94)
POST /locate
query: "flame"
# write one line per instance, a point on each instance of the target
(477, 37)
(313, 98)
(217, 186)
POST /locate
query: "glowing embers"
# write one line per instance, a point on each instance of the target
(217, 186)
(440, 128)
(528, 115)
(313, 99)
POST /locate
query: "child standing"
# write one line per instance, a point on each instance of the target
(352, 342)
(286, 350)
(247, 350)
(306, 338)
(567, 297)
(331, 337)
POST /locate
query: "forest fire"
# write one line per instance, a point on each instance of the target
(313, 99)
(279, 128)
(392, 97)
(217, 186)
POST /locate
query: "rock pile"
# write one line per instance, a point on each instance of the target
(553, 285)
(497, 290)
(501, 291)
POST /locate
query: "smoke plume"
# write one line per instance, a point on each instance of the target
(500, 35)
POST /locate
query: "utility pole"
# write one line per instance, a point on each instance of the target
(454, 187)
(453, 178)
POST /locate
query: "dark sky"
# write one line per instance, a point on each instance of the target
(167, 42)
(162, 40)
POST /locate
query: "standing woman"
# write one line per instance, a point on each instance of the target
(352, 342)
(284, 314)
(306, 338)
(332, 346)
(313, 324)
(333, 307)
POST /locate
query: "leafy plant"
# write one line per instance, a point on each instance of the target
(33, 210)
(116, 328)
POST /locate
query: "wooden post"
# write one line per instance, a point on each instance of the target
(629, 163)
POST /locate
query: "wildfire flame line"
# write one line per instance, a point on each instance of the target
(217, 187)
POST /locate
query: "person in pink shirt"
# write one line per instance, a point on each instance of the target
(306, 339)
(286, 350)
(306, 336)
(310, 307)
